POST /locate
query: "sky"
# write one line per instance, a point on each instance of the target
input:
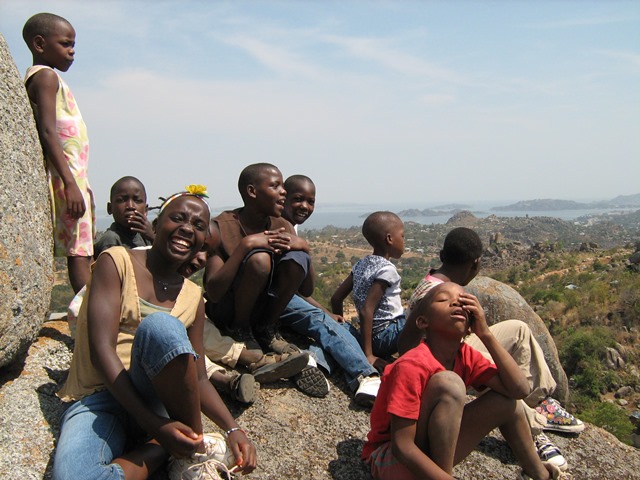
(405, 102)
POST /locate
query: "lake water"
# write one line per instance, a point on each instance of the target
(345, 216)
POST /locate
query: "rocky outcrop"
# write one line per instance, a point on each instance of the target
(297, 437)
(26, 263)
(502, 302)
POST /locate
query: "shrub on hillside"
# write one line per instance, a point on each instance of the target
(610, 417)
(582, 353)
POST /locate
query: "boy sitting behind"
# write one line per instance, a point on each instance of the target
(375, 283)
(333, 343)
(420, 424)
(128, 206)
(258, 265)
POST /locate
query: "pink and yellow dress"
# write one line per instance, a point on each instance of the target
(71, 237)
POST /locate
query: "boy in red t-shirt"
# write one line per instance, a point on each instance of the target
(421, 425)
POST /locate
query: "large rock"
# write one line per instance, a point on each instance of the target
(501, 302)
(26, 262)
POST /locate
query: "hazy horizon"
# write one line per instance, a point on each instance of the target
(422, 103)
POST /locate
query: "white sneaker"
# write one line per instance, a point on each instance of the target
(368, 390)
(549, 452)
(209, 465)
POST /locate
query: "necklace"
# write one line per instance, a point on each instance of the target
(164, 285)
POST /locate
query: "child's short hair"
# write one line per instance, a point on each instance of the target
(127, 178)
(461, 245)
(291, 182)
(251, 174)
(376, 226)
(41, 24)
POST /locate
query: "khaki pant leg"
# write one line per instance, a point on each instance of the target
(516, 338)
(220, 348)
(212, 368)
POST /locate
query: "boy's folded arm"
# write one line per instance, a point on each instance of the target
(407, 452)
(219, 274)
(299, 244)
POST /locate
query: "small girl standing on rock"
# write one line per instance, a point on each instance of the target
(137, 375)
(64, 140)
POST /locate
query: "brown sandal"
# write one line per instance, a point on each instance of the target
(273, 366)
(244, 388)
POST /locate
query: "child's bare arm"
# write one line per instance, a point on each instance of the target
(404, 448)
(42, 90)
(337, 299)
(510, 380)
(213, 406)
(375, 293)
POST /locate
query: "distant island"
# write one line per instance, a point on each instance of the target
(621, 201)
(437, 211)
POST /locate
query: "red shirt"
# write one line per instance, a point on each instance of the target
(404, 381)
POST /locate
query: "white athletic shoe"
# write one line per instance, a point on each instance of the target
(216, 459)
(368, 390)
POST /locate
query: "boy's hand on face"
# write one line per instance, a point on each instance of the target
(477, 318)
(75, 202)
(139, 223)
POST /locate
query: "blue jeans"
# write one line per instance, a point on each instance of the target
(384, 343)
(331, 338)
(97, 429)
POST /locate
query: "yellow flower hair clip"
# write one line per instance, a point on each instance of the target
(198, 190)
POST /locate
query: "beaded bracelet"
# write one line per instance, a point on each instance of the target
(234, 429)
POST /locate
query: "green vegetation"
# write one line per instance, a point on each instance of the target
(610, 417)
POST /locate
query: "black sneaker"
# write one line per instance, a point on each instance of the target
(312, 381)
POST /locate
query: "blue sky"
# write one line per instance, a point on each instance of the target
(419, 103)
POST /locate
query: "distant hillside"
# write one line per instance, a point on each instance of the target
(624, 201)
(544, 204)
(548, 204)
